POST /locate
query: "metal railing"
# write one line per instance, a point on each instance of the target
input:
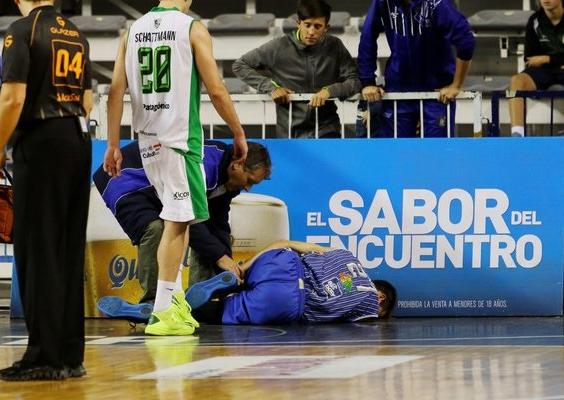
(265, 99)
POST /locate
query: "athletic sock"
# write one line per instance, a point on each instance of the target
(518, 131)
(178, 282)
(163, 300)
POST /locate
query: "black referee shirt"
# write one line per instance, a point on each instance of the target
(48, 53)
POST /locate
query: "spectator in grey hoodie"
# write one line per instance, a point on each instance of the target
(307, 60)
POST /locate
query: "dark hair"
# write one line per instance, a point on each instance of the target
(313, 9)
(386, 306)
(258, 157)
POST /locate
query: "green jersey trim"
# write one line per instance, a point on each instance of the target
(162, 9)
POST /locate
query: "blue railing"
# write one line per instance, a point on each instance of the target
(538, 94)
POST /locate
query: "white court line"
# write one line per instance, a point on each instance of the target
(279, 367)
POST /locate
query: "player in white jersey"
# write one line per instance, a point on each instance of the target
(161, 60)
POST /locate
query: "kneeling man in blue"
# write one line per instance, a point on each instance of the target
(295, 281)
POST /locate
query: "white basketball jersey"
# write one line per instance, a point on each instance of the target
(163, 80)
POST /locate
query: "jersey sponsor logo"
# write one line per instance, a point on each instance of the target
(180, 195)
(65, 32)
(332, 288)
(8, 41)
(144, 37)
(156, 107)
(146, 133)
(150, 151)
(61, 21)
(68, 97)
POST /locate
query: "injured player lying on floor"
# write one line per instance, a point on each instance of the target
(288, 281)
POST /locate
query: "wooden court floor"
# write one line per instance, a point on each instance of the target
(440, 358)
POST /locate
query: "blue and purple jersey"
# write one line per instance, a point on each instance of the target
(337, 288)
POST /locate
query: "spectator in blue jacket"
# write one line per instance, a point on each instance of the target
(135, 204)
(420, 34)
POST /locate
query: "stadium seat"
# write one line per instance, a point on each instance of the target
(241, 24)
(5, 22)
(486, 83)
(339, 20)
(511, 21)
(100, 25)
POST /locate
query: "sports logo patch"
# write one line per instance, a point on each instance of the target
(346, 282)
(8, 41)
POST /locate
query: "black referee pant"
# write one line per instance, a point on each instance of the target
(52, 161)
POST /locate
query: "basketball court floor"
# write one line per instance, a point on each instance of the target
(407, 358)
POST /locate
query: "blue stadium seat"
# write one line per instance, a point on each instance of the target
(241, 24)
(339, 20)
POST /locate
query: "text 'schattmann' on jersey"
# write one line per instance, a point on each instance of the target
(51, 56)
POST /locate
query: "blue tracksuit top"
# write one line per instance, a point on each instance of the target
(420, 37)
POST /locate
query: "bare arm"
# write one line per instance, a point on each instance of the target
(300, 247)
(87, 102)
(12, 98)
(201, 42)
(449, 92)
(113, 157)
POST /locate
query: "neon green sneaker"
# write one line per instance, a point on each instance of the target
(184, 309)
(168, 322)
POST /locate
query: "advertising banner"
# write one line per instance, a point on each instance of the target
(461, 227)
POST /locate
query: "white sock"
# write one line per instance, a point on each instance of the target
(518, 131)
(163, 299)
(178, 283)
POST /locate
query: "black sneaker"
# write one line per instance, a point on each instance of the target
(76, 372)
(35, 373)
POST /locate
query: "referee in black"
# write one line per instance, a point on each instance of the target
(45, 98)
